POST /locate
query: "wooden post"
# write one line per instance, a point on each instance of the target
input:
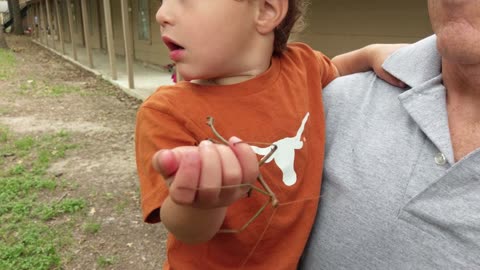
(128, 39)
(70, 26)
(36, 22)
(50, 24)
(86, 33)
(110, 44)
(43, 24)
(59, 26)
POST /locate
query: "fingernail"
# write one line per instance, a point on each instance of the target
(162, 152)
(235, 140)
(205, 143)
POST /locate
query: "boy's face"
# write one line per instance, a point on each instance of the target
(208, 39)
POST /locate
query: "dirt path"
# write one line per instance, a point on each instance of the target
(47, 94)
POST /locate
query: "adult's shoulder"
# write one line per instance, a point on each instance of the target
(350, 86)
(413, 64)
(347, 94)
(416, 63)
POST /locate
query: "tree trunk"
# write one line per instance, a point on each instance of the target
(15, 13)
(9, 8)
(3, 42)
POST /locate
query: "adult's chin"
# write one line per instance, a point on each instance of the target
(459, 45)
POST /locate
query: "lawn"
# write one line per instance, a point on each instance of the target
(36, 220)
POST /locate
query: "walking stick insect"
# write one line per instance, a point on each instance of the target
(266, 189)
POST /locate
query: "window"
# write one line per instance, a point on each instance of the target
(143, 20)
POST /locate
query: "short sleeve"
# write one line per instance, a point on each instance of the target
(328, 72)
(155, 130)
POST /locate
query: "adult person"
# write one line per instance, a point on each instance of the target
(402, 170)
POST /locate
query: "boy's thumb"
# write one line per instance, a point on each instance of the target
(165, 162)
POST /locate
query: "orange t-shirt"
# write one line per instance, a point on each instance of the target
(281, 106)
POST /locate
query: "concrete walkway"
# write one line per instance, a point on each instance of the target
(147, 78)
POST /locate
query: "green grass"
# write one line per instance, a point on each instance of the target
(4, 111)
(30, 200)
(104, 261)
(7, 64)
(32, 87)
(92, 227)
(60, 90)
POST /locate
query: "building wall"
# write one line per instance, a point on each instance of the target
(95, 22)
(76, 8)
(3, 11)
(337, 26)
(62, 6)
(151, 50)
(117, 27)
(333, 26)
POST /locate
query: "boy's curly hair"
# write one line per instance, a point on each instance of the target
(293, 21)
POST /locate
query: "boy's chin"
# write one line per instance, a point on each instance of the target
(196, 75)
(186, 76)
(193, 78)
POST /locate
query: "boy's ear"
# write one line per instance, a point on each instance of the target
(271, 14)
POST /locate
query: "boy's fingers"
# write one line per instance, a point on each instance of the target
(231, 169)
(247, 159)
(211, 174)
(384, 75)
(232, 176)
(183, 189)
(166, 161)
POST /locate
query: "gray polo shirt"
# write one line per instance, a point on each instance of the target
(393, 197)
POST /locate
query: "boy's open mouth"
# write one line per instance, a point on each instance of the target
(177, 52)
(172, 45)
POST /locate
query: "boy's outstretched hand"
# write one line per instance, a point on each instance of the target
(200, 177)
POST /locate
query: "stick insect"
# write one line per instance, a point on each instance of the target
(267, 191)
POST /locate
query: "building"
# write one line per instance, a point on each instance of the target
(338, 26)
(127, 28)
(3, 11)
(5, 16)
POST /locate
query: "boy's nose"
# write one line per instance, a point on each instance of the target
(163, 16)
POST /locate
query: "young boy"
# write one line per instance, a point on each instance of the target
(237, 67)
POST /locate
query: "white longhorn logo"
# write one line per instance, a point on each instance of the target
(284, 156)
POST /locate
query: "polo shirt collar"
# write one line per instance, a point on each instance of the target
(417, 63)
(419, 66)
